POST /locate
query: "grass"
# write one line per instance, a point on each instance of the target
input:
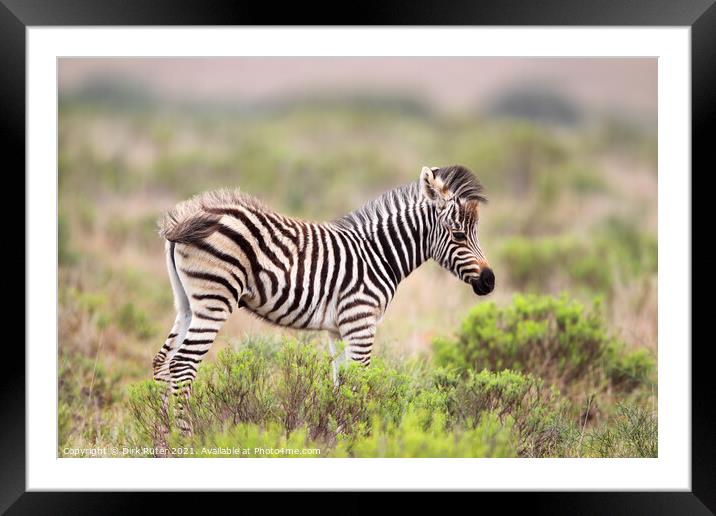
(546, 373)
(279, 394)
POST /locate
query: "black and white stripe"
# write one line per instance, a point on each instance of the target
(226, 250)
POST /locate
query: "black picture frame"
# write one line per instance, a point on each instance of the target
(17, 15)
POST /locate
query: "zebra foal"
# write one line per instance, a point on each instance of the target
(225, 250)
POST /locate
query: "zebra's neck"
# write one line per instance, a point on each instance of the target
(397, 230)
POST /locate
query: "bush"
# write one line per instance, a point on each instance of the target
(523, 399)
(233, 390)
(151, 408)
(85, 392)
(630, 250)
(304, 379)
(259, 402)
(490, 437)
(633, 433)
(616, 249)
(537, 263)
(293, 388)
(306, 395)
(251, 440)
(132, 319)
(245, 401)
(553, 338)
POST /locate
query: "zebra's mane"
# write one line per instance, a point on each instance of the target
(193, 219)
(460, 181)
(383, 205)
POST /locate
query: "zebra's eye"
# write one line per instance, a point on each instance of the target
(459, 236)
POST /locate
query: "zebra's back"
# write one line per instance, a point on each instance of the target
(283, 270)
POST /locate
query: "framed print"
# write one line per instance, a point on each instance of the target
(449, 252)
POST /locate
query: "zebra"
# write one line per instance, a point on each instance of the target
(226, 250)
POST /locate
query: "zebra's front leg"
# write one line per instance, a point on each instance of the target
(336, 359)
(360, 349)
(358, 334)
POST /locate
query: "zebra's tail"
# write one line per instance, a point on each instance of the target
(181, 300)
(183, 226)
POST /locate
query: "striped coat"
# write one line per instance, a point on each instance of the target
(227, 251)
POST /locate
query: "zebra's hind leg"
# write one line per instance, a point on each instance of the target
(161, 370)
(208, 316)
(160, 364)
(161, 373)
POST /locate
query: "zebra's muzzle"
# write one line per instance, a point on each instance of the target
(485, 283)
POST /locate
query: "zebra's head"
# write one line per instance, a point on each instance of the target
(457, 194)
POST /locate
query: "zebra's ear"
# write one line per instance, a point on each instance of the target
(431, 187)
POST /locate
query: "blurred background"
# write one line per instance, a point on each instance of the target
(566, 149)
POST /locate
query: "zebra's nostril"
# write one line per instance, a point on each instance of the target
(488, 278)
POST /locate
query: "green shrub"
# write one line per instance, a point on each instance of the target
(615, 249)
(632, 433)
(364, 394)
(134, 320)
(85, 392)
(294, 388)
(286, 399)
(534, 409)
(628, 370)
(252, 440)
(265, 346)
(630, 250)
(304, 376)
(151, 409)
(536, 263)
(490, 437)
(305, 393)
(232, 390)
(550, 337)
(89, 304)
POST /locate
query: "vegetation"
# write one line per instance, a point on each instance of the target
(612, 252)
(279, 394)
(540, 369)
(554, 338)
